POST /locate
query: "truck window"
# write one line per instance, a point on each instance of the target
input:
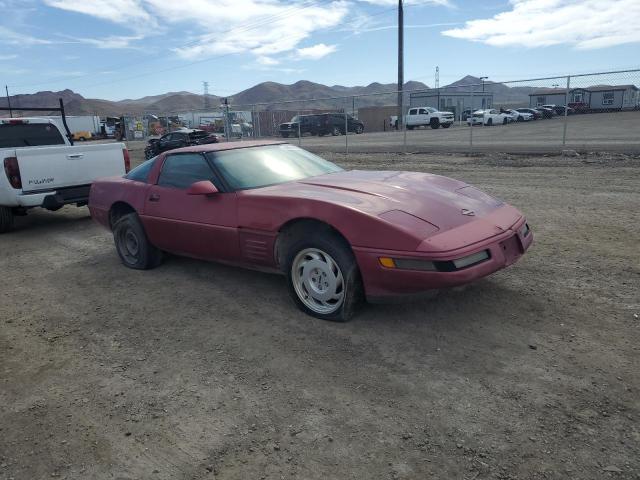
(29, 135)
(413, 111)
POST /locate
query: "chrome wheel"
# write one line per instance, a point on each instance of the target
(318, 281)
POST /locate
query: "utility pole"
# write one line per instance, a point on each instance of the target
(6, 89)
(400, 65)
(437, 79)
(206, 95)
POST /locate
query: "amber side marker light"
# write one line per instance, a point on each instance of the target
(387, 262)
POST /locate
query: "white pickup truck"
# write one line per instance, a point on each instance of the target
(43, 169)
(428, 116)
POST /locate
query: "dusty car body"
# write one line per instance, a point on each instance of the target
(370, 234)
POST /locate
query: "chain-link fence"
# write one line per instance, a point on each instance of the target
(599, 111)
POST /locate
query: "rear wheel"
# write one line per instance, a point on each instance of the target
(132, 244)
(6, 219)
(409, 127)
(489, 122)
(335, 131)
(435, 123)
(505, 121)
(285, 135)
(323, 277)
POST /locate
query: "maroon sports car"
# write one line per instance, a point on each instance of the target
(339, 236)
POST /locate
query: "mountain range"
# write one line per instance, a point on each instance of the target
(264, 93)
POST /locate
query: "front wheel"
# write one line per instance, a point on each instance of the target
(323, 277)
(359, 129)
(132, 244)
(335, 131)
(489, 122)
(6, 219)
(446, 125)
(505, 121)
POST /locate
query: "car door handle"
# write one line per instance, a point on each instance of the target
(75, 155)
(154, 197)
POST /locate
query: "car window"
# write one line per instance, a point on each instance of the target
(244, 168)
(422, 111)
(413, 111)
(431, 109)
(141, 172)
(182, 170)
(14, 133)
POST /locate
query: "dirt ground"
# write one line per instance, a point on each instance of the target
(202, 371)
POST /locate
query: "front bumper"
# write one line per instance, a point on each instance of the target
(504, 249)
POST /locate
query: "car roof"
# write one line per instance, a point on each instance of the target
(219, 147)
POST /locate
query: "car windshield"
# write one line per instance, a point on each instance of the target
(254, 167)
(294, 119)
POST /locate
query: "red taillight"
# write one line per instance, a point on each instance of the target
(12, 169)
(127, 160)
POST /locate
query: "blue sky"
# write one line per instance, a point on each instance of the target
(116, 49)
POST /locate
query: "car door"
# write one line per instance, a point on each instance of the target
(423, 116)
(198, 226)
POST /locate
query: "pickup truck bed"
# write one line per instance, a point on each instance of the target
(42, 169)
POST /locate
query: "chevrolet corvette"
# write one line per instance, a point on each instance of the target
(339, 236)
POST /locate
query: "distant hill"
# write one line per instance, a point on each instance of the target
(263, 93)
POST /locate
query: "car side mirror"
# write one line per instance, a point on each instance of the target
(204, 187)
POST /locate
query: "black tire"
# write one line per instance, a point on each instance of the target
(446, 125)
(285, 135)
(335, 131)
(520, 119)
(434, 123)
(340, 252)
(489, 122)
(6, 219)
(133, 247)
(505, 121)
(359, 129)
(409, 127)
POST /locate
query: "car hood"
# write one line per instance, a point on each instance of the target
(441, 201)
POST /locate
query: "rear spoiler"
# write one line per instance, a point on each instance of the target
(60, 109)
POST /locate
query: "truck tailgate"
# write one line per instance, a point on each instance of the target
(49, 168)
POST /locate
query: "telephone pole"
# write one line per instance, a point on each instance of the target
(400, 65)
(206, 95)
(6, 89)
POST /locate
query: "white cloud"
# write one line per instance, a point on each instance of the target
(267, 61)
(119, 11)
(14, 38)
(261, 27)
(439, 3)
(112, 42)
(8, 57)
(585, 24)
(315, 52)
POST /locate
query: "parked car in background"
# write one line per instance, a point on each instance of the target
(321, 124)
(517, 116)
(82, 136)
(579, 107)
(535, 113)
(489, 117)
(338, 236)
(180, 138)
(545, 112)
(43, 169)
(559, 109)
(428, 117)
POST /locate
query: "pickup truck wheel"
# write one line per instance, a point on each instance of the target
(505, 121)
(435, 123)
(323, 277)
(6, 219)
(489, 122)
(409, 127)
(446, 125)
(132, 244)
(335, 131)
(285, 135)
(359, 129)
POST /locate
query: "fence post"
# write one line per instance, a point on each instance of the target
(346, 133)
(566, 111)
(299, 134)
(404, 129)
(471, 124)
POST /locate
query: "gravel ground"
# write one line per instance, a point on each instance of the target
(202, 371)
